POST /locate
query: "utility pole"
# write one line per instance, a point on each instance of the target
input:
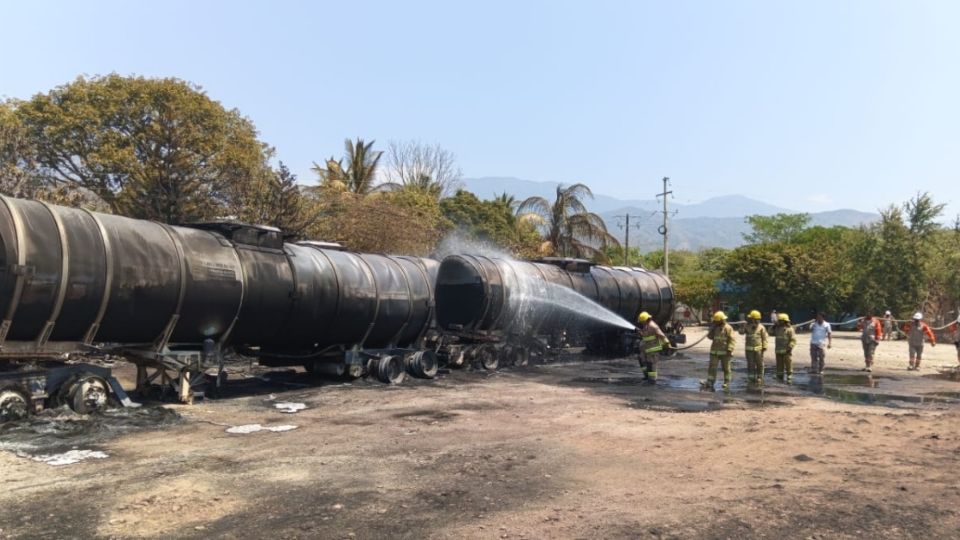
(626, 241)
(663, 228)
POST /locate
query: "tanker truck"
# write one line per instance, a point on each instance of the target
(174, 299)
(495, 310)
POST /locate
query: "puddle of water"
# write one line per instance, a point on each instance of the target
(946, 375)
(865, 379)
(426, 415)
(683, 394)
(852, 396)
(950, 395)
(680, 383)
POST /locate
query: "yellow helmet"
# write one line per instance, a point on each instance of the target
(754, 315)
(643, 317)
(719, 316)
(783, 317)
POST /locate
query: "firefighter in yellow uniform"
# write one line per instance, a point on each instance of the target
(755, 342)
(785, 339)
(721, 351)
(652, 341)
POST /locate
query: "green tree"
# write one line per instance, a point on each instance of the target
(359, 176)
(776, 228)
(922, 213)
(148, 148)
(899, 258)
(18, 169)
(772, 274)
(492, 222)
(400, 222)
(569, 229)
(276, 199)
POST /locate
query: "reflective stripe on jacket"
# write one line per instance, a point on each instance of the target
(786, 339)
(653, 337)
(723, 339)
(756, 337)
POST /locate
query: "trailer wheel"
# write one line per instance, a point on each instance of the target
(390, 369)
(87, 393)
(488, 357)
(520, 356)
(14, 405)
(455, 357)
(423, 364)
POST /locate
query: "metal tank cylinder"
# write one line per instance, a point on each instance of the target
(72, 276)
(481, 295)
(69, 275)
(349, 299)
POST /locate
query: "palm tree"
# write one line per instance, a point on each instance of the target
(569, 230)
(359, 175)
(506, 200)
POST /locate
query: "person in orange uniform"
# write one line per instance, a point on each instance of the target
(916, 331)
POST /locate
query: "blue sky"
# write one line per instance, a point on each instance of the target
(811, 105)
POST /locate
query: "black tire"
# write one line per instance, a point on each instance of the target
(86, 393)
(14, 405)
(390, 370)
(488, 357)
(423, 364)
(456, 357)
(520, 356)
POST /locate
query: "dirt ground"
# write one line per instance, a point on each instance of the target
(571, 449)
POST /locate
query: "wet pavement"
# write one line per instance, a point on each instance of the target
(678, 387)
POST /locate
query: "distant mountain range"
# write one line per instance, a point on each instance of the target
(716, 222)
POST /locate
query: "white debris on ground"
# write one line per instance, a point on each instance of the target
(254, 428)
(69, 457)
(290, 407)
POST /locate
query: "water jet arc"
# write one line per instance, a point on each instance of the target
(481, 295)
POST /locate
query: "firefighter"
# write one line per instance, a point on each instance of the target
(755, 344)
(916, 331)
(721, 351)
(870, 335)
(652, 341)
(785, 341)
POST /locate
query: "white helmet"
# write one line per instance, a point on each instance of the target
(887, 312)
(917, 316)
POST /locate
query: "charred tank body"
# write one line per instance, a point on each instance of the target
(173, 298)
(501, 309)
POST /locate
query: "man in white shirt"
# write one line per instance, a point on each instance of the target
(821, 339)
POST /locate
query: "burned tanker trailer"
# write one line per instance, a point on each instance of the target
(495, 310)
(173, 299)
